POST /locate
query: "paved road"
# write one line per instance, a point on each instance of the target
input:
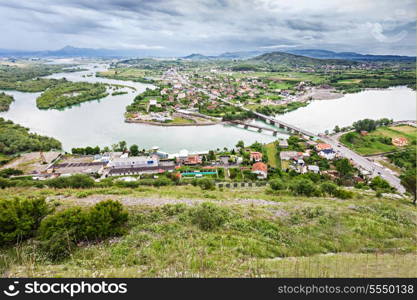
(366, 164)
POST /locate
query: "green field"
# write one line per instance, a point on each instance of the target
(271, 151)
(372, 142)
(270, 235)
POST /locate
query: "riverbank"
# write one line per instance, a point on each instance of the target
(172, 124)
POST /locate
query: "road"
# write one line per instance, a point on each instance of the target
(364, 163)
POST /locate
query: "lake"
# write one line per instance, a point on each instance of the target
(101, 122)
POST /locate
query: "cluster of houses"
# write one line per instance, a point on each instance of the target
(294, 160)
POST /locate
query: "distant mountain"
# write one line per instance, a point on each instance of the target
(69, 51)
(326, 54)
(240, 54)
(289, 60)
(198, 56)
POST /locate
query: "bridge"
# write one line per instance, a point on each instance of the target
(259, 128)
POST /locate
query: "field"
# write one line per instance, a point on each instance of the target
(263, 234)
(132, 74)
(271, 151)
(373, 142)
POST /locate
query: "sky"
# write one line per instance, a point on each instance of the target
(181, 27)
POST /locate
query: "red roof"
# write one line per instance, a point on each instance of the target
(321, 146)
(256, 155)
(260, 166)
(193, 160)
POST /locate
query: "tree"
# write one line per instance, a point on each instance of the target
(276, 184)
(240, 144)
(134, 150)
(344, 168)
(122, 146)
(408, 180)
(336, 129)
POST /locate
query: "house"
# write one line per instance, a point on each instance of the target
(260, 169)
(314, 169)
(400, 142)
(193, 160)
(255, 156)
(288, 155)
(283, 144)
(153, 102)
(321, 147)
(328, 154)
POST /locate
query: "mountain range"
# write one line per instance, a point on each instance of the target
(70, 51)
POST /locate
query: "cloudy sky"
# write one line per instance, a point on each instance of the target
(180, 27)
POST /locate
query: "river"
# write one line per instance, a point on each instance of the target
(101, 122)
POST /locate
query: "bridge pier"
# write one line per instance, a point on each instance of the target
(259, 130)
(246, 126)
(271, 122)
(281, 126)
(274, 133)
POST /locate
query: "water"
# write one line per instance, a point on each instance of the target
(398, 103)
(101, 122)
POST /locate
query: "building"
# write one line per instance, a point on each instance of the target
(193, 160)
(314, 169)
(288, 155)
(328, 154)
(260, 169)
(255, 156)
(283, 144)
(134, 162)
(400, 142)
(321, 147)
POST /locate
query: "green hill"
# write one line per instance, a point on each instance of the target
(292, 60)
(172, 232)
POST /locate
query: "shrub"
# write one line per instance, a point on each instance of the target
(104, 219)
(162, 182)
(305, 187)
(276, 184)
(10, 172)
(209, 216)
(379, 183)
(78, 181)
(343, 194)
(19, 218)
(328, 188)
(206, 184)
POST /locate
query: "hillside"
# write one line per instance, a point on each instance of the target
(170, 232)
(292, 60)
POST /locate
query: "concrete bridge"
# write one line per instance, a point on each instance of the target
(259, 128)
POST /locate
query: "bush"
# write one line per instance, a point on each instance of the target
(205, 184)
(104, 219)
(343, 194)
(10, 172)
(379, 183)
(162, 182)
(276, 184)
(20, 218)
(77, 181)
(305, 187)
(209, 216)
(328, 188)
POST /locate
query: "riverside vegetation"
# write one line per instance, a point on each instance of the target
(5, 101)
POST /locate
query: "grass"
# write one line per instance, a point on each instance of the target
(179, 120)
(284, 237)
(271, 151)
(370, 144)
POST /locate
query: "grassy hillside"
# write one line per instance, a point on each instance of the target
(380, 140)
(286, 59)
(241, 233)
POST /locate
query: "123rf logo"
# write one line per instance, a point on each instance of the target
(12, 290)
(70, 289)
